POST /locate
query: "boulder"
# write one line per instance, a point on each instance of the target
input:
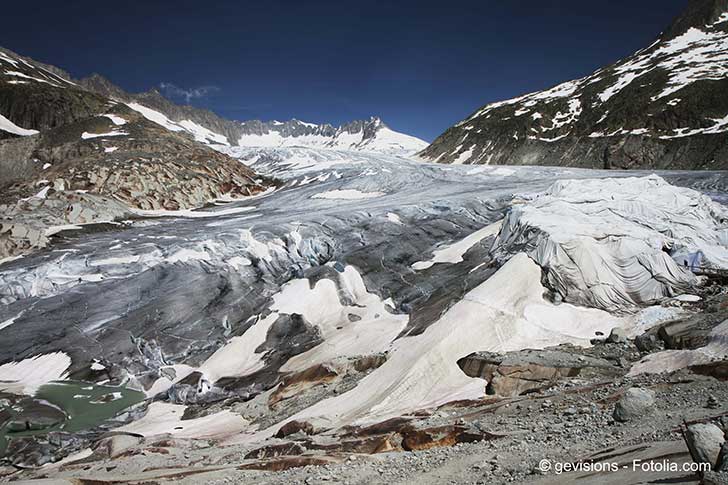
(617, 336)
(274, 451)
(717, 369)
(115, 445)
(722, 464)
(714, 478)
(520, 372)
(440, 436)
(704, 441)
(684, 334)
(635, 403)
(648, 343)
(294, 426)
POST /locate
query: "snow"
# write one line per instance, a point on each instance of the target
(563, 90)
(10, 127)
(87, 136)
(464, 156)
(9, 321)
(47, 166)
(31, 78)
(191, 214)
(453, 253)
(42, 194)
(692, 56)
(117, 120)
(203, 134)
(720, 126)
(26, 376)
(394, 218)
(9, 60)
(110, 149)
(347, 194)
(721, 19)
(549, 140)
(385, 140)
(186, 255)
(698, 54)
(155, 116)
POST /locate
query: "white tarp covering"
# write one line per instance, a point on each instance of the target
(617, 243)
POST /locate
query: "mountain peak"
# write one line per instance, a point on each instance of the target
(698, 14)
(359, 135)
(662, 107)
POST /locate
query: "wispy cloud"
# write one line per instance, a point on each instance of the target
(187, 94)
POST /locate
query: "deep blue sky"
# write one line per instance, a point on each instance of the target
(420, 65)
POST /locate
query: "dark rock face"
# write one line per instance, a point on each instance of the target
(38, 97)
(663, 107)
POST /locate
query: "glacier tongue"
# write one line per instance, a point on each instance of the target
(617, 243)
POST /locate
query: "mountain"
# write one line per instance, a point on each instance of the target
(663, 107)
(205, 126)
(365, 135)
(70, 156)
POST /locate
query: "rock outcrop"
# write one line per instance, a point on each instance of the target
(71, 156)
(521, 372)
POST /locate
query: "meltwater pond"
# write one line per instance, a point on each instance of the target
(68, 406)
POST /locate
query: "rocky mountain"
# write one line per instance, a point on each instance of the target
(663, 107)
(362, 135)
(70, 156)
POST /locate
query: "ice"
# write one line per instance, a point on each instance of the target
(10, 127)
(347, 194)
(394, 218)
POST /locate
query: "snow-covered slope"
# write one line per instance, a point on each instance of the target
(663, 107)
